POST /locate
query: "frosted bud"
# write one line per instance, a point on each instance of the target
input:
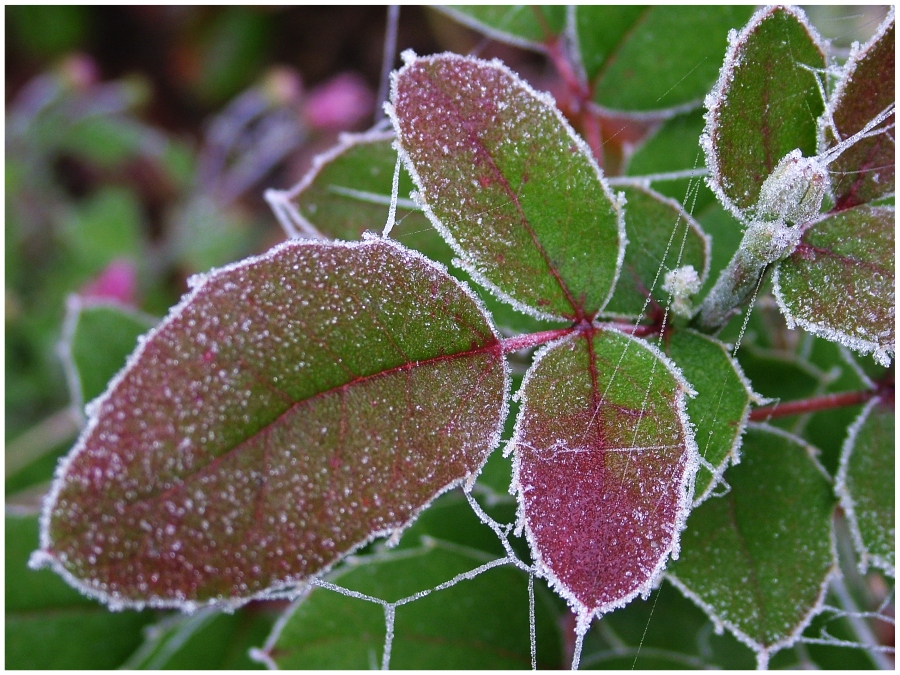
(794, 191)
(768, 241)
(682, 283)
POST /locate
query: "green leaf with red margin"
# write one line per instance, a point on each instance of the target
(509, 184)
(839, 281)
(292, 408)
(720, 410)
(653, 58)
(765, 104)
(865, 484)
(528, 26)
(604, 467)
(758, 559)
(661, 237)
(865, 171)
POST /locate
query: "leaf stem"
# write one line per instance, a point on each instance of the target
(809, 405)
(518, 342)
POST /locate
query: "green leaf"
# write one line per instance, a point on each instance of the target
(764, 105)
(865, 171)
(675, 147)
(509, 184)
(758, 559)
(89, 325)
(349, 190)
(661, 237)
(206, 640)
(480, 622)
(528, 26)
(865, 484)
(49, 625)
(289, 410)
(653, 58)
(604, 466)
(721, 407)
(664, 631)
(839, 281)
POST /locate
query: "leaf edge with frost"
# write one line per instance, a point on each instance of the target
(288, 588)
(282, 201)
(866, 558)
(75, 305)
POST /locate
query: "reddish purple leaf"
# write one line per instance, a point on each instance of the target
(290, 409)
(605, 461)
(509, 184)
(866, 170)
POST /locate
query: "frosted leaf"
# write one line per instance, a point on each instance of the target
(865, 484)
(604, 467)
(530, 27)
(89, 323)
(865, 171)
(509, 184)
(339, 388)
(662, 236)
(764, 105)
(839, 282)
(759, 558)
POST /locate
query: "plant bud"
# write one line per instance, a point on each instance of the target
(794, 191)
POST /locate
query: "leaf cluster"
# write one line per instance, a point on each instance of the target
(297, 407)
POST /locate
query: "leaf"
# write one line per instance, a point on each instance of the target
(653, 58)
(865, 484)
(50, 626)
(665, 631)
(89, 324)
(525, 26)
(206, 640)
(509, 184)
(604, 466)
(758, 559)
(481, 622)
(661, 237)
(764, 105)
(289, 410)
(839, 281)
(675, 147)
(721, 407)
(865, 171)
(348, 192)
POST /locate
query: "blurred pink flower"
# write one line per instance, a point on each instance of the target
(340, 103)
(117, 282)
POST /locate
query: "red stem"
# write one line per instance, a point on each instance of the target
(809, 405)
(518, 342)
